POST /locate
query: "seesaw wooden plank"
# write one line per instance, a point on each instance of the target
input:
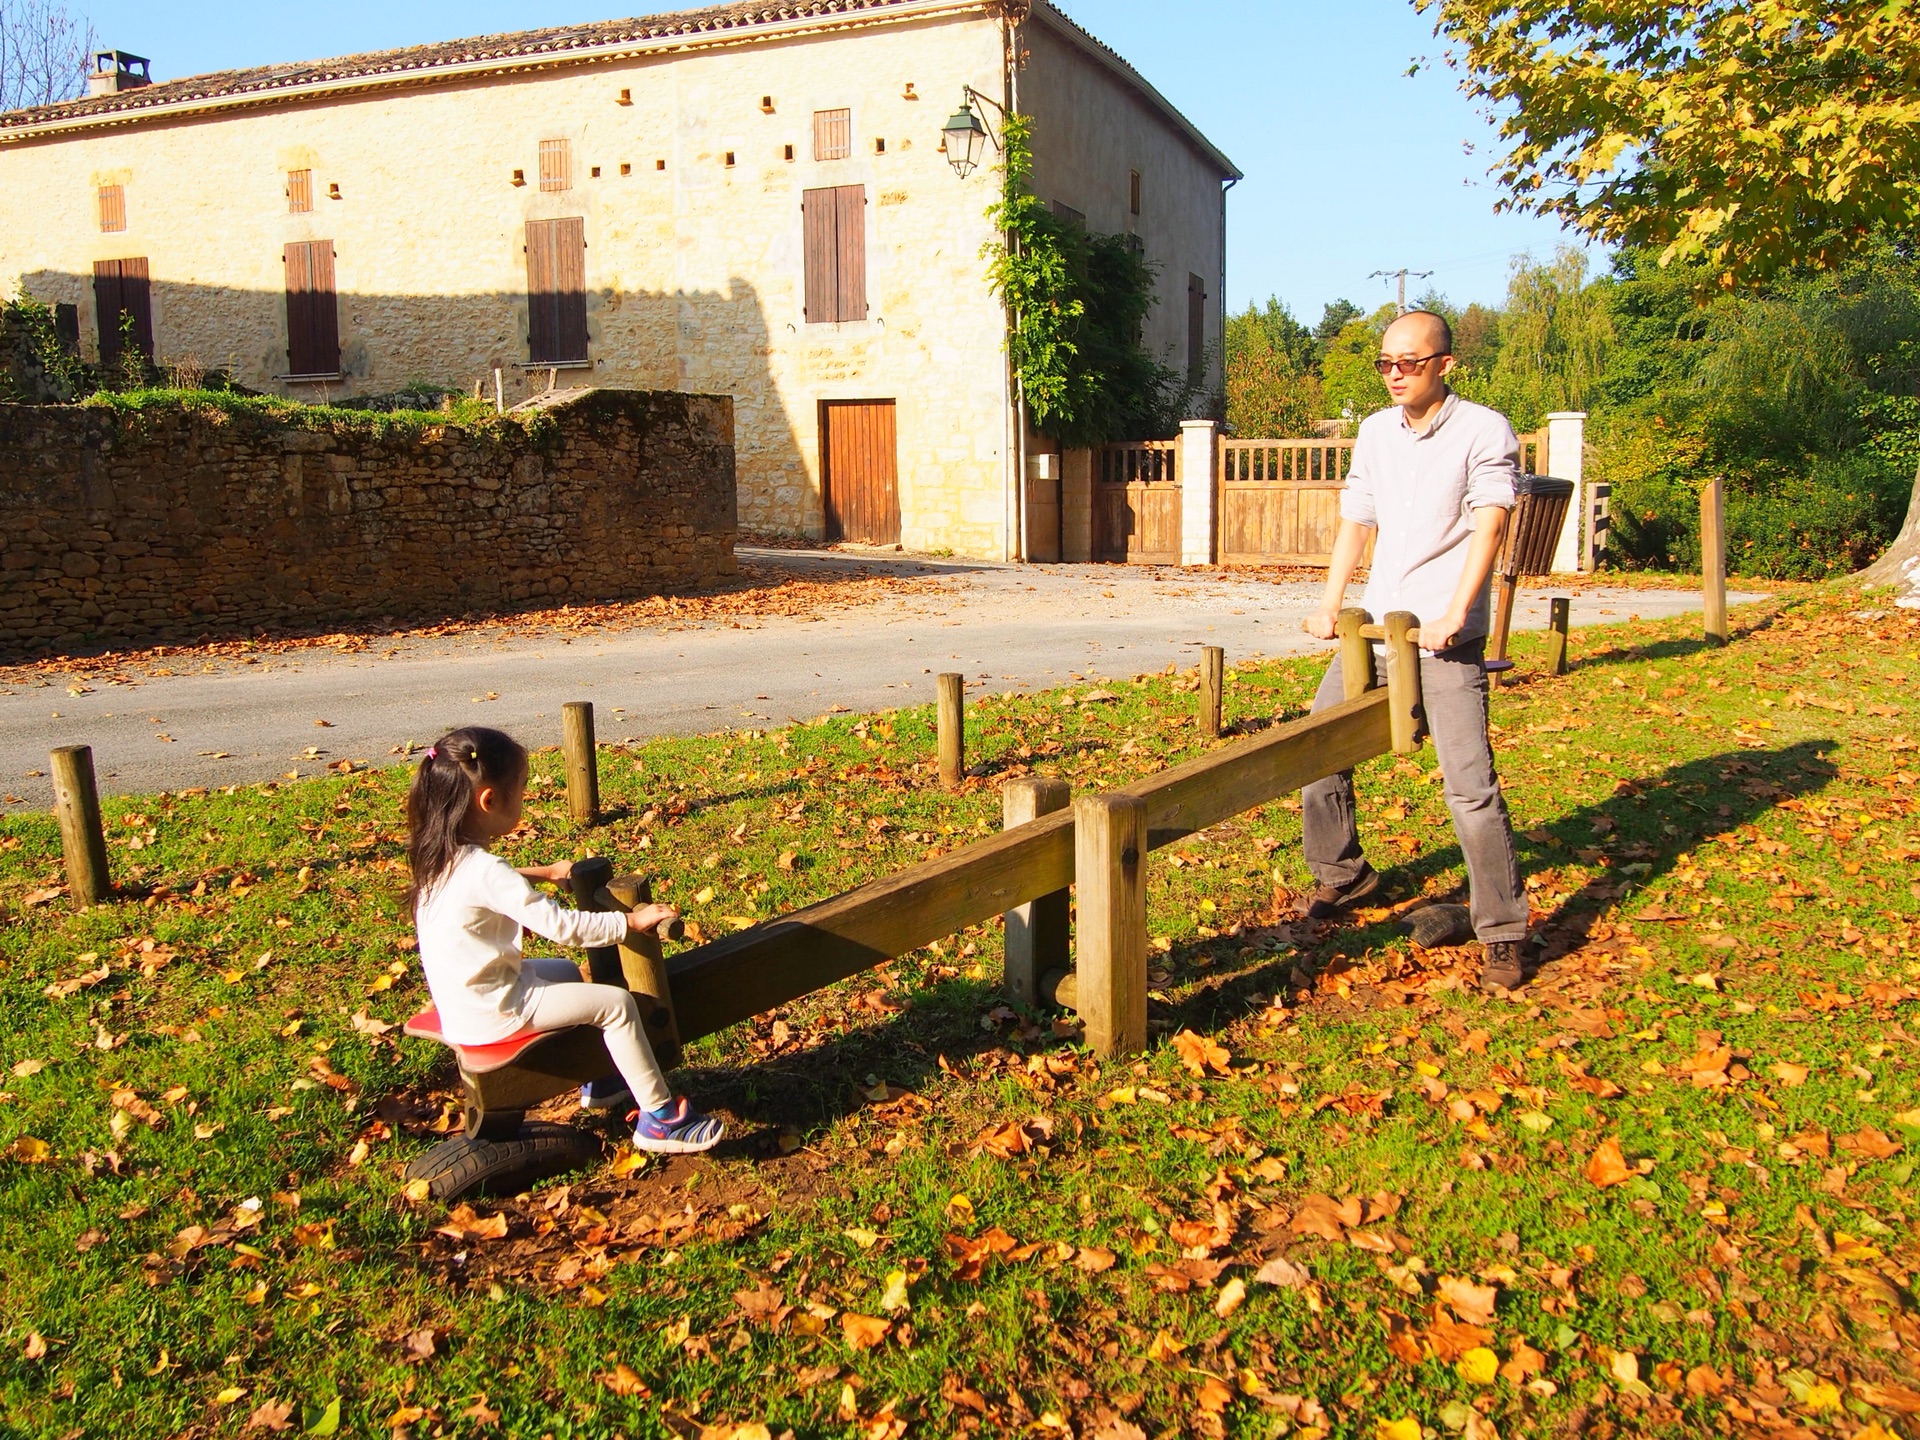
(728, 980)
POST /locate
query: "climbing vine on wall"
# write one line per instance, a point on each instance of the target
(1078, 304)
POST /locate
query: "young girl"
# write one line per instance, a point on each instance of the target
(469, 907)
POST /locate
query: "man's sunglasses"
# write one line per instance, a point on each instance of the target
(1405, 367)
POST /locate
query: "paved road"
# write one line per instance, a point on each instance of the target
(1006, 627)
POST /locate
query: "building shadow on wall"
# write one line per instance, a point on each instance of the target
(697, 341)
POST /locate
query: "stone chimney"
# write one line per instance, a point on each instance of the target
(115, 70)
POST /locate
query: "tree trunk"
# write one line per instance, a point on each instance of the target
(1900, 565)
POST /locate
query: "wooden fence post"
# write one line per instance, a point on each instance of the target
(1213, 680)
(76, 801)
(1110, 869)
(1356, 653)
(1036, 933)
(1713, 559)
(1403, 682)
(583, 761)
(952, 727)
(1559, 618)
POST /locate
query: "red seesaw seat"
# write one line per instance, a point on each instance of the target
(479, 1059)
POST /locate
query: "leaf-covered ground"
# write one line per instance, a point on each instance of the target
(1668, 1189)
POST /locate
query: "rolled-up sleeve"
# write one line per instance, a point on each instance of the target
(510, 893)
(1356, 499)
(1493, 469)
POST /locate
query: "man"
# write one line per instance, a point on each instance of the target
(1434, 476)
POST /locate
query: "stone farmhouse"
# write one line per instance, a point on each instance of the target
(755, 200)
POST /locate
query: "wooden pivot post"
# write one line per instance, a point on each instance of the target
(1110, 869)
(1559, 618)
(583, 761)
(1403, 681)
(1213, 681)
(1356, 653)
(1713, 559)
(1502, 627)
(636, 963)
(951, 719)
(1036, 932)
(76, 801)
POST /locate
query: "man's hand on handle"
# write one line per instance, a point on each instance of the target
(1442, 633)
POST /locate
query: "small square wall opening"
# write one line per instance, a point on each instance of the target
(789, 152)
(626, 168)
(879, 147)
(729, 159)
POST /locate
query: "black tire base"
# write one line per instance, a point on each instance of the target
(461, 1166)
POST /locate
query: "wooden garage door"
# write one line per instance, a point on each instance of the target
(861, 475)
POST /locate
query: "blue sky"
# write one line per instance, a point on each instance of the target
(1351, 165)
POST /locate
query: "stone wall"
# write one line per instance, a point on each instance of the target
(176, 520)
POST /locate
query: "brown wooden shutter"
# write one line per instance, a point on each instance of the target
(122, 287)
(299, 327)
(299, 192)
(832, 134)
(106, 308)
(113, 209)
(313, 309)
(851, 246)
(556, 165)
(820, 216)
(1196, 325)
(557, 291)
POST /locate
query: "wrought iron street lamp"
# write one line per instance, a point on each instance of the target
(967, 134)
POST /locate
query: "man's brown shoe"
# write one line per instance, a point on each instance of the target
(1323, 902)
(1501, 969)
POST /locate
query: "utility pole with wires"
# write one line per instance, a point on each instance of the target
(1401, 275)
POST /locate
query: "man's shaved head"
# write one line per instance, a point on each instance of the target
(1423, 328)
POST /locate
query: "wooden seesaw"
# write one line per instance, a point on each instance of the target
(499, 1149)
(1095, 845)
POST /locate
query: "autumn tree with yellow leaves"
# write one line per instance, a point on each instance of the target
(1741, 139)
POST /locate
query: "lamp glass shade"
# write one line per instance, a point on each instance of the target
(966, 139)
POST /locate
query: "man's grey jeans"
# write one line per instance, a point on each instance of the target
(1453, 691)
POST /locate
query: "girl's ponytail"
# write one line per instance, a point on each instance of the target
(452, 771)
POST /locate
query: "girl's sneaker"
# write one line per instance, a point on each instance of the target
(607, 1093)
(678, 1129)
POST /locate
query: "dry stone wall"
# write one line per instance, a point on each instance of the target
(176, 520)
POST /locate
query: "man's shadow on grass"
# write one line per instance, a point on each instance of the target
(1628, 841)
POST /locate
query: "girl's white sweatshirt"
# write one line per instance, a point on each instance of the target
(469, 925)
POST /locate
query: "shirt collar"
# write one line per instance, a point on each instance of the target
(1447, 407)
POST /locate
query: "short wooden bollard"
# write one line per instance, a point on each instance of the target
(951, 723)
(1559, 619)
(1356, 653)
(76, 802)
(1713, 559)
(1036, 933)
(1110, 871)
(1213, 683)
(583, 761)
(1403, 681)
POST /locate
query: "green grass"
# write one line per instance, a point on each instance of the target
(1716, 846)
